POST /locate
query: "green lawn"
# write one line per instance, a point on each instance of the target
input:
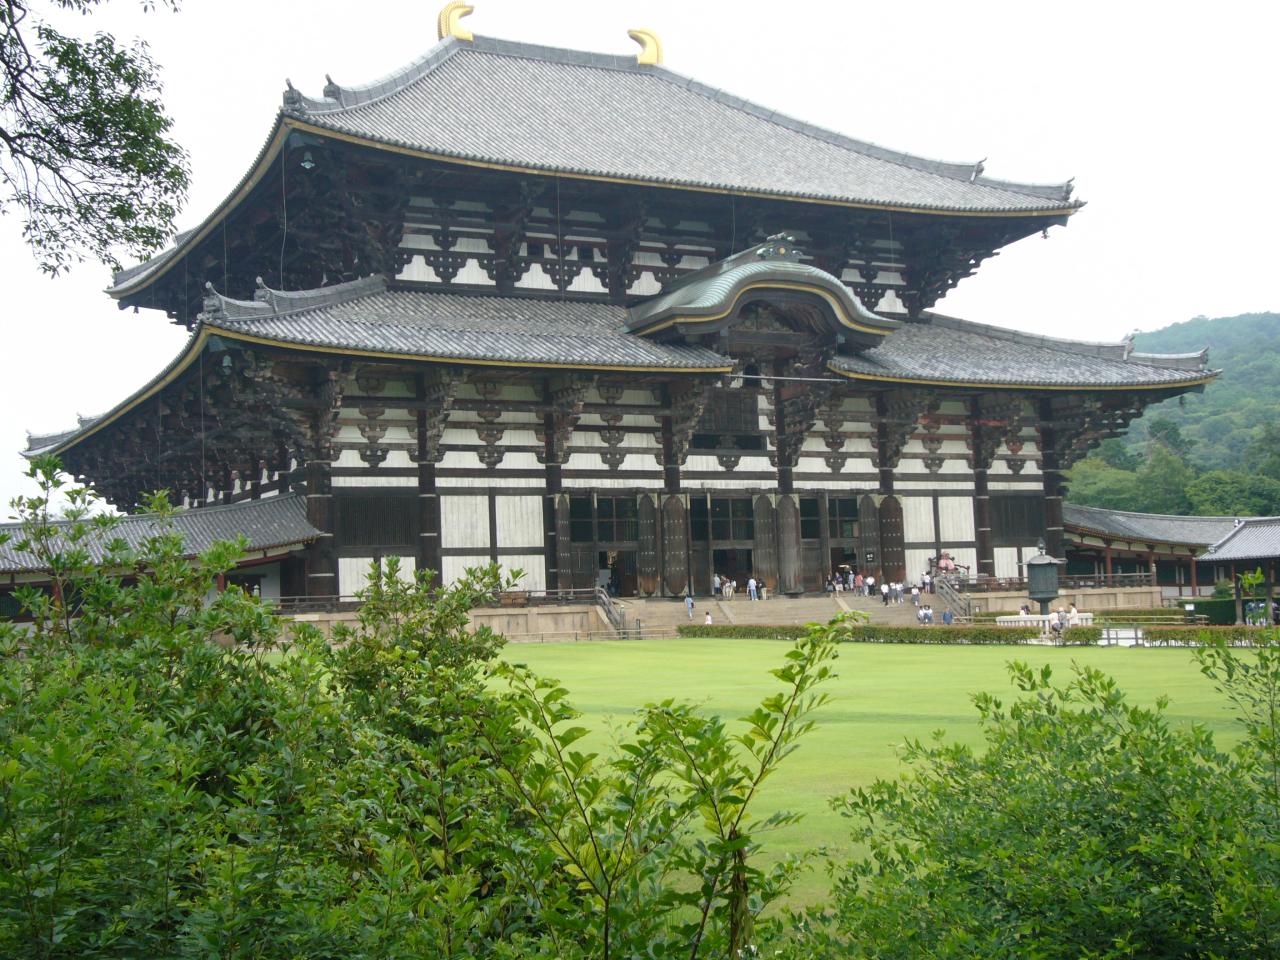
(884, 694)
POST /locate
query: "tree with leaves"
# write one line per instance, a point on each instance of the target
(85, 155)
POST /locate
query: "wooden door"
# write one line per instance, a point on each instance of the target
(869, 538)
(647, 553)
(675, 546)
(788, 545)
(893, 555)
(764, 555)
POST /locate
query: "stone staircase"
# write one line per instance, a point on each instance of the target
(661, 616)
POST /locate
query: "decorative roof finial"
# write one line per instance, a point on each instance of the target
(650, 46)
(447, 24)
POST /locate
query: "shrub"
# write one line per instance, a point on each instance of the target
(872, 633)
(1201, 636)
(743, 631)
(1081, 636)
(1085, 826)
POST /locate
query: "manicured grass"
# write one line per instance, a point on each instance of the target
(884, 695)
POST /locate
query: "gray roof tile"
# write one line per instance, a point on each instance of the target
(453, 327)
(599, 115)
(1254, 538)
(958, 351)
(1159, 528)
(278, 521)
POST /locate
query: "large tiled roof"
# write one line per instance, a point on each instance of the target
(366, 315)
(271, 523)
(1154, 527)
(545, 108)
(1253, 538)
(948, 350)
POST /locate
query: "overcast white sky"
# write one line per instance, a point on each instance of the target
(1165, 113)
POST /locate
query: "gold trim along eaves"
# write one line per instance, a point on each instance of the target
(979, 385)
(815, 289)
(285, 124)
(303, 126)
(208, 330)
(462, 361)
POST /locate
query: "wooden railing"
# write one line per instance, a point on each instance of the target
(985, 584)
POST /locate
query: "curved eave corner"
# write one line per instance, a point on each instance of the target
(887, 378)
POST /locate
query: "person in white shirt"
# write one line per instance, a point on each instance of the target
(707, 619)
(751, 588)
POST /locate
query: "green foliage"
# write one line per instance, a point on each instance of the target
(84, 148)
(939, 634)
(1199, 636)
(1211, 454)
(744, 631)
(654, 846)
(1081, 636)
(1086, 827)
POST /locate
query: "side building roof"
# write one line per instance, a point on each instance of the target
(1253, 538)
(269, 524)
(1147, 527)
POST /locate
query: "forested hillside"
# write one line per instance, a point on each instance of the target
(1221, 422)
(1211, 453)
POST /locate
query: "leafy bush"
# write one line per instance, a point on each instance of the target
(1081, 636)
(1201, 636)
(163, 793)
(855, 631)
(957, 634)
(1084, 826)
(743, 631)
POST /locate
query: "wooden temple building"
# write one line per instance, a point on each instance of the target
(578, 314)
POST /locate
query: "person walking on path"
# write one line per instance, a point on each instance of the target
(884, 594)
(751, 588)
(688, 604)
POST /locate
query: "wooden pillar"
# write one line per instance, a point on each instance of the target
(780, 429)
(979, 446)
(1106, 546)
(1195, 587)
(824, 533)
(883, 444)
(1271, 588)
(221, 583)
(1051, 476)
(322, 559)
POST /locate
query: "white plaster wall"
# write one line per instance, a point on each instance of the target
(955, 519)
(375, 481)
(519, 521)
(534, 567)
(917, 519)
(917, 564)
(464, 521)
(1006, 561)
(965, 556)
(353, 574)
(452, 568)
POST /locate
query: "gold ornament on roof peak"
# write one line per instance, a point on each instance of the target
(447, 23)
(650, 46)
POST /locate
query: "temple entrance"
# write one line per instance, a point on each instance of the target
(732, 565)
(618, 574)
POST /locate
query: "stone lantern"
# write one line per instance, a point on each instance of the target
(1042, 579)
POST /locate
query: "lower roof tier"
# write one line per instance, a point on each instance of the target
(270, 526)
(767, 311)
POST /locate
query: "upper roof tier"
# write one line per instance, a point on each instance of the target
(532, 107)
